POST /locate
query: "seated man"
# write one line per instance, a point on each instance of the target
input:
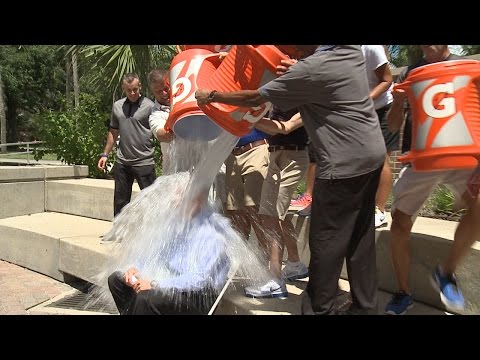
(196, 268)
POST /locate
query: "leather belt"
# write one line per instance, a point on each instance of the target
(243, 149)
(272, 148)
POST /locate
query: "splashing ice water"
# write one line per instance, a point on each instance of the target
(172, 229)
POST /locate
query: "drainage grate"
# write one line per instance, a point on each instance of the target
(84, 302)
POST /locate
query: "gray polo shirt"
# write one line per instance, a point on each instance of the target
(330, 89)
(136, 140)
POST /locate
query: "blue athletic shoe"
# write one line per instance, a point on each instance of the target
(399, 303)
(450, 294)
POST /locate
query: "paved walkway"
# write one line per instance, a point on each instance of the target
(22, 289)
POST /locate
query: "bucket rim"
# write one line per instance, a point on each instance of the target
(443, 64)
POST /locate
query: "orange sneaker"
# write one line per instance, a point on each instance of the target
(301, 202)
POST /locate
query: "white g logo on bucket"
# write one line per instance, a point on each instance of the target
(180, 89)
(256, 113)
(447, 103)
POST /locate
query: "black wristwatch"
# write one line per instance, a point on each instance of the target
(211, 95)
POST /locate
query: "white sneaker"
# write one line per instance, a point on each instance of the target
(272, 289)
(380, 218)
(293, 271)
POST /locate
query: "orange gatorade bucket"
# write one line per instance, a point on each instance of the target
(246, 67)
(186, 119)
(445, 102)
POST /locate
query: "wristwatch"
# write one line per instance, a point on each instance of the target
(153, 284)
(211, 95)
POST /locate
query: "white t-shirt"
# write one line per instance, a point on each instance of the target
(158, 119)
(374, 58)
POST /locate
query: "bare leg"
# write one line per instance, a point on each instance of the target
(400, 247)
(241, 222)
(274, 238)
(385, 184)
(467, 232)
(290, 240)
(310, 176)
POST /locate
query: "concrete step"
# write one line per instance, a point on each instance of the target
(53, 243)
(23, 188)
(87, 197)
(235, 301)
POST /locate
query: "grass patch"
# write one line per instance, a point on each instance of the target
(24, 156)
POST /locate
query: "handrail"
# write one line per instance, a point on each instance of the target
(28, 151)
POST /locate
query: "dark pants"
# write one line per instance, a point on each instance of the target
(342, 227)
(154, 302)
(124, 176)
(392, 140)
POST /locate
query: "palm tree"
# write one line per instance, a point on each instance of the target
(471, 49)
(402, 55)
(113, 61)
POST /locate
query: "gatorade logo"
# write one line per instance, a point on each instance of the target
(437, 106)
(444, 124)
(256, 113)
(182, 76)
(180, 89)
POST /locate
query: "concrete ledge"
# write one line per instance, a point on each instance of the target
(92, 198)
(23, 187)
(83, 256)
(36, 241)
(430, 243)
(41, 172)
(22, 198)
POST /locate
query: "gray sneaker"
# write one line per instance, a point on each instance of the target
(272, 289)
(295, 271)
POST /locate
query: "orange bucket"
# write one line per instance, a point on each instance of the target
(212, 48)
(246, 67)
(186, 119)
(445, 102)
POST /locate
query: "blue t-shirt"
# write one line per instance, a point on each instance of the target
(252, 136)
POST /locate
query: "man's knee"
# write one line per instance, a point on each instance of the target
(401, 225)
(114, 279)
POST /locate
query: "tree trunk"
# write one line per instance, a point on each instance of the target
(76, 87)
(3, 118)
(68, 88)
(11, 112)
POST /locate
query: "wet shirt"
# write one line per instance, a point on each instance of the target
(136, 146)
(330, 89)
(201, 261)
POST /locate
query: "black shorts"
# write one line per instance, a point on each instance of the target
(392, 140)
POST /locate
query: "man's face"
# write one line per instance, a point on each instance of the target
(132, 90)
(161, 91)
(434, 51)
(297, 51)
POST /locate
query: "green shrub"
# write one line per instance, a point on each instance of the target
(442, 200)
(76, 136)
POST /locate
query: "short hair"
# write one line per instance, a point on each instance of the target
(128, 78)
(156, 75)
